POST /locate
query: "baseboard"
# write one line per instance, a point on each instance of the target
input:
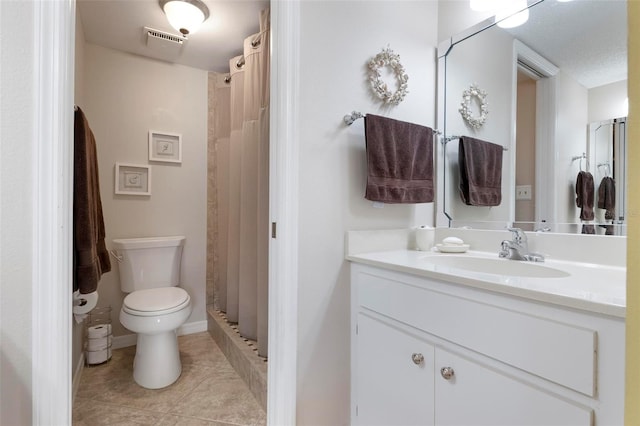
(192, 328)
(124, 341)
(188, 328)
(77, 374)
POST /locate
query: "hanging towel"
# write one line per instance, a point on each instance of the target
(90, 256)
(588, 229)
(399, 161)
(607, 197)
(584, 195)
(480, 165)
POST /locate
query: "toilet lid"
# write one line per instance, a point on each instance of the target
(156, 300)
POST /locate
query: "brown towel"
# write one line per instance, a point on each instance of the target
(607, 197)
(584, 195)
(399, 161)
(480, 165)
(90, 256)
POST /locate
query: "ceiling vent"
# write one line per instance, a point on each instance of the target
(163, 41)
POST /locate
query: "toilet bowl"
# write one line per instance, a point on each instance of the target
(154, 315)
(155, 307)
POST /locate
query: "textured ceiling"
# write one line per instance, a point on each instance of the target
(119, 24)
(587, 39)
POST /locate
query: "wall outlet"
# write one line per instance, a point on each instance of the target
(523, 192)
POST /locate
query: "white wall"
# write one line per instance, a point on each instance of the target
(126, 96)
(608, 101)
(17, 121)
(337, 39)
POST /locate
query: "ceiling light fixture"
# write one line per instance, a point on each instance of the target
(185, 16)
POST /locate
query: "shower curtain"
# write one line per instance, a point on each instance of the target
(244, 163)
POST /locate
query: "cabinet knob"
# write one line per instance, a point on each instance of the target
(447, 373)
(417, 358)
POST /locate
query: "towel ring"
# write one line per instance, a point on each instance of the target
(580, 157)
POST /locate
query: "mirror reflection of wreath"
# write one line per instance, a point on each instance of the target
(388, 58)
(468, 96)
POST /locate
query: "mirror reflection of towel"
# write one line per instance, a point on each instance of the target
(584, 195)
(399, 161)
(607, 197)
(480, 172)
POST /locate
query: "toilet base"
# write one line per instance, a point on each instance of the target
(157, 361)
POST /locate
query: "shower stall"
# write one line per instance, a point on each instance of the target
(238, 194)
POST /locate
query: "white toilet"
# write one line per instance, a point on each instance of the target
(155, 307)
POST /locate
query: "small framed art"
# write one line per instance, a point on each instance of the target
(166, 147)
(133, 179)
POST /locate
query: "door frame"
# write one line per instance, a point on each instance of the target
(54, 46)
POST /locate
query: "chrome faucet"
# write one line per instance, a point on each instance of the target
(518, 248)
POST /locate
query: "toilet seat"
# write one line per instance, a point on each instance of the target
(155, 301)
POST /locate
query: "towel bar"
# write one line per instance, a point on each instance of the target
(350, 118)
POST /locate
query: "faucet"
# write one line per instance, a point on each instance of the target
(518, 248)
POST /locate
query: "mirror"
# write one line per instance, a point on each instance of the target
(545, 83)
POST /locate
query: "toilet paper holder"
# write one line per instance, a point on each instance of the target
(98, 336)
(84, 303)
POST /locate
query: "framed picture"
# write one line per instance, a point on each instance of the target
(133, 179)
(166, 147)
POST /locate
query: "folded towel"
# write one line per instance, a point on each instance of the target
(584, 195)
(399, 161)
(607, 197)
(480, 165)
(90, 255)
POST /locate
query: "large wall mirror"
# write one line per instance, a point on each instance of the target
(554, 94)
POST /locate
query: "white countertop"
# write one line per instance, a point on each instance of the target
(591, 287)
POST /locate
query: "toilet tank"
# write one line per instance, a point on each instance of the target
(148, 262)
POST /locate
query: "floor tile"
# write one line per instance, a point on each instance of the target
(87, 412)
(225, 399)
(209, 392)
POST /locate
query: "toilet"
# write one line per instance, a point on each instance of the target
(155, 307)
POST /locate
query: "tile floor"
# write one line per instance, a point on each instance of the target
(209, 392)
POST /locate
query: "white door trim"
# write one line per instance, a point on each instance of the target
(283, 190)
(54, 35)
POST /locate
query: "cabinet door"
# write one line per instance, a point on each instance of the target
(477, 394)
(393, 376)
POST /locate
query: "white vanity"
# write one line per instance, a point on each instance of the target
(440, 339)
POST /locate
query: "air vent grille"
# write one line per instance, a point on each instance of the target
(162, 36)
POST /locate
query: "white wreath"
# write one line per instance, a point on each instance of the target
(388, 58)
(465, 106)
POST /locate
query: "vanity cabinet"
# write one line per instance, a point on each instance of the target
(430, 352)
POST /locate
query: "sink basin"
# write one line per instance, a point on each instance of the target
(497, 266)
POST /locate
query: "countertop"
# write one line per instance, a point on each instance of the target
(589, 287)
